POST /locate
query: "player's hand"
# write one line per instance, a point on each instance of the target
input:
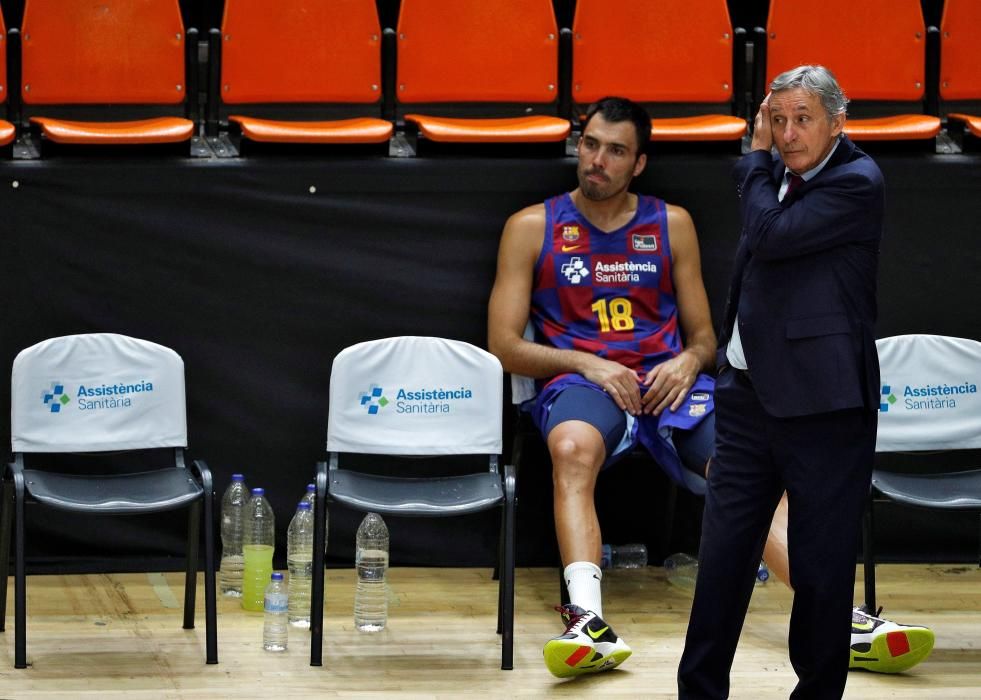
(618, 381)
(762, 128)
(669, 382)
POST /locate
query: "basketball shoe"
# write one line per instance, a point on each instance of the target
(587, 646)
(886, 647)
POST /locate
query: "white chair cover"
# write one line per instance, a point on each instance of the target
(97, 392)
(930, 393)
(415, 396)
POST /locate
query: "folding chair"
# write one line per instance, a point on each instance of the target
(416, 397)
(299, 71)
(682, 70)
(101, 393)
(930, 403)
(84, 62)
(875, 48)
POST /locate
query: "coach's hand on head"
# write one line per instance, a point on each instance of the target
(762, 128)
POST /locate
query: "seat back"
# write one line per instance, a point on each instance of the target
(930, 398)
(3, 60)
(415, 396)
(960, 50)
(97, 392)
(875, 48)
(300, 51)
(502, 51)
(665, 51)
(106, 52)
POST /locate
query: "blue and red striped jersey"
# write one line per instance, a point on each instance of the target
(607, 293)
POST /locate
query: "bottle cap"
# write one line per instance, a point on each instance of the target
(238, 477)
(276, 576)
(258, 492)
(311, 488)
(303, 505)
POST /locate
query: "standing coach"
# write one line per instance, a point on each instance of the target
(798, 387)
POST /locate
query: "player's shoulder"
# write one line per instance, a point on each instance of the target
(531, 217)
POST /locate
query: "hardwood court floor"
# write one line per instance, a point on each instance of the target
(119, 636)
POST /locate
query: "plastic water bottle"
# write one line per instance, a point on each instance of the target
(371, 596)
(257, 549)
(624, 556)
(299, 559)
(232, 528)
(276, 605)
(681, 570)
(310, 496)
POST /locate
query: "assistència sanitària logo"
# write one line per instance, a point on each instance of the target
(55, 397)
(373, 399)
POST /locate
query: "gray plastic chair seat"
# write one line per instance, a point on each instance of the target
(948, 490)
(141, 492)
(445, 496)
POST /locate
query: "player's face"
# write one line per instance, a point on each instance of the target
(802, 131)
(608, 158)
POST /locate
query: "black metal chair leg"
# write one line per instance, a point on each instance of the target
(20, 578)
(319, 552)
(6, 524)
(868, 536)
(507, 575)
(191, 571)
(210, 588)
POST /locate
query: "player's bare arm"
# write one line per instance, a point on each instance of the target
(669, 382)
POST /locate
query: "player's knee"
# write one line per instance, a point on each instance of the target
(574, 462)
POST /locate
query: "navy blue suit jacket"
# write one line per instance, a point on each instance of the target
(804, 283)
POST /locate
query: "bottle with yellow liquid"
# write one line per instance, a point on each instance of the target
(257, 548)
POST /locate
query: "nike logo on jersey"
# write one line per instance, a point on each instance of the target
(567, 248)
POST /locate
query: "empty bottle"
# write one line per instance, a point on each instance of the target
(276, 605)
(232, 528)
(681, 570)
(299, 559)
(371, 596)
(624, 556)
(257, 549)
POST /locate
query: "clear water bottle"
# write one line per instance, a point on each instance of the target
(681, 570)
(257, 549)
(232, 529)
(371, 596)
(624, 556)
(310, 496)
(299, 559)
(276, 605)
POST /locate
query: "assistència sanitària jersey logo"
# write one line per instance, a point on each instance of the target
(419, 401)
(97, 396)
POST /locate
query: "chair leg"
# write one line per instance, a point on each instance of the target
(319, 552)
(867, 554)
(507, 572)
(6, 524)
(20, 579)
(191, 571)
(210, 587)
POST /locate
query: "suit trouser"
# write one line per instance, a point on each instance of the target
(824, 462)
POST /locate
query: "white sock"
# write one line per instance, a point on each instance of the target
(583, 578)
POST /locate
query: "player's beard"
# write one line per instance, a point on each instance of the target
(598, 191)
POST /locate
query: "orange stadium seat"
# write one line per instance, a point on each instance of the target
(127, 58)
(960, 63)
(303, 57)
(480, 72)
(876, 49)
(7, 131)
(683, 67)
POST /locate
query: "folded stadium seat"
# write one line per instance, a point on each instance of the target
(480, 72)
(682, 70)
(877, 51)
(85, 61)
(300, 71)
(7, 131)
(960, 65)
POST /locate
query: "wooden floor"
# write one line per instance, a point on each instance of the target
(120, 636)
